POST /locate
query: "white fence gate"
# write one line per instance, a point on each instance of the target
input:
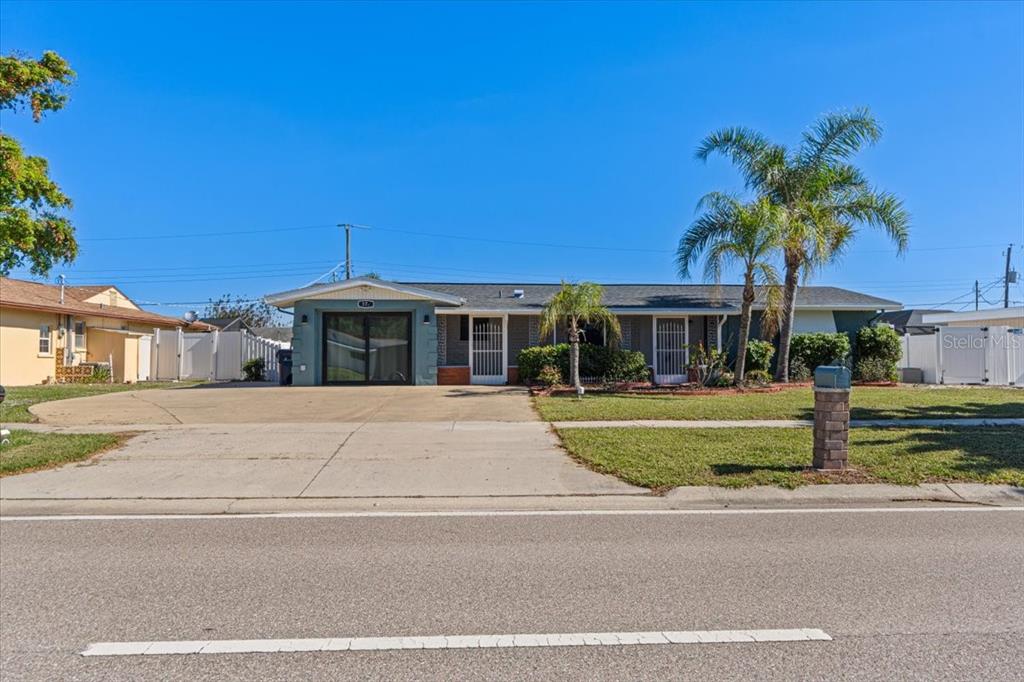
(967, 355)
(217, 356)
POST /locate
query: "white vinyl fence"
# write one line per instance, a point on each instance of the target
(967, 355)
(216, 356)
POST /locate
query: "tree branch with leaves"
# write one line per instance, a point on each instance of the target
(34, 229)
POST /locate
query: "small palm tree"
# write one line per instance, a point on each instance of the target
(730, 232)
(577, 305)
(825, 196)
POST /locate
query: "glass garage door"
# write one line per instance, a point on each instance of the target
(363, 348)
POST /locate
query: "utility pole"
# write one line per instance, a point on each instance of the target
(1006, 278)
(977, 295)
(348, 249)
(348, 246)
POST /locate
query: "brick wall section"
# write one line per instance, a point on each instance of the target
(534, 330)
(831, 428)
(453, 376)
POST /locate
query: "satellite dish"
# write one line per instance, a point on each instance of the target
(191, 316)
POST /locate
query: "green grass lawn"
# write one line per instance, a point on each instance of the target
(19, 398)
(797, 403)
(660, 458)
(29, 451)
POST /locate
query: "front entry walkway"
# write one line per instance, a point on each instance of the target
(313, 444)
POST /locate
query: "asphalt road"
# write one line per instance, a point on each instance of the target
(929, 594)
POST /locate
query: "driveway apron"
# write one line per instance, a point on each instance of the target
(331, 442)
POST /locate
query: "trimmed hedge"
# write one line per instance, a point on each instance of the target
(814, 350)
(599, 362)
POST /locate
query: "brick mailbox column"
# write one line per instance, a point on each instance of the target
(831, 427)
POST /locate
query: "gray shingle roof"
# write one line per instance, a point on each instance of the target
(499, 296)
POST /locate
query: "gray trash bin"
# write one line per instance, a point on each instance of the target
(284, 366)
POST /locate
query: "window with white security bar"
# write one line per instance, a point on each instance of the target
(80, 335)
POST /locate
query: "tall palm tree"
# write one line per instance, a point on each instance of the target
(729, 232)
(577, 305)
(826, 198)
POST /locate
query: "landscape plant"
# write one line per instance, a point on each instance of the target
(759, 355)
(575, 306)
(253, 370)
(598, 362)
(825, 197)
(730, 233)
(706, 365)
(820, 348)
(549, 375)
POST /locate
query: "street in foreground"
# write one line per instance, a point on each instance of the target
(901, 593)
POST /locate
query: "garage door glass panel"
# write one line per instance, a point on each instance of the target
(345, 352)
(389, 348)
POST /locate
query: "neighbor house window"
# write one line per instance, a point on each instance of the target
(44, 339)
(79, 335)
(463, 327)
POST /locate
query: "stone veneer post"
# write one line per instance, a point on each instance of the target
(831, 428)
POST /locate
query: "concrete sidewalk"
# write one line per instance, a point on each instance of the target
(774, 423)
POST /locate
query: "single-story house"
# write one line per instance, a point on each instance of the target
(1012, 317)
(60, 333)
(370, 331)
(909, 321)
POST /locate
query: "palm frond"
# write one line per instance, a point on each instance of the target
(838, 135)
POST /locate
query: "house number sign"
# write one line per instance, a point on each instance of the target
(365, 304)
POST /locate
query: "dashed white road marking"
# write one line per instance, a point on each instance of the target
(261, 646)
(499, 513)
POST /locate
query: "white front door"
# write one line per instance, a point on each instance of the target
(670, 350)
(487, 350)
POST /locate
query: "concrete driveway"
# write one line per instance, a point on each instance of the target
(233, 443)
(262, 404)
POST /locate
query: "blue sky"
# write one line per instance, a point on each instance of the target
(536, 126)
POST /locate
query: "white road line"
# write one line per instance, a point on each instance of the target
(471, 514)
(252, 646)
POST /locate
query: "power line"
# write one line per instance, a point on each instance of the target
(198, 235)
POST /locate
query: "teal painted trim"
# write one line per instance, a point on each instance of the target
(307, 337)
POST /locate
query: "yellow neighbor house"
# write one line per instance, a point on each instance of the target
(53, 333)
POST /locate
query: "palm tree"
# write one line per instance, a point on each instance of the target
(825, 197)
(577, 305)
(730, 232)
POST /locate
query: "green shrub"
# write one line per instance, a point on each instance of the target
(798, 370)
(814, 350)
(100, 375)
(253, 369)
(757, 377)
(759, 355)
(533, 359)
(596, 362)
(723, 379)
(876, 369)
(549, 376)
(879, 350)
(881, 342)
